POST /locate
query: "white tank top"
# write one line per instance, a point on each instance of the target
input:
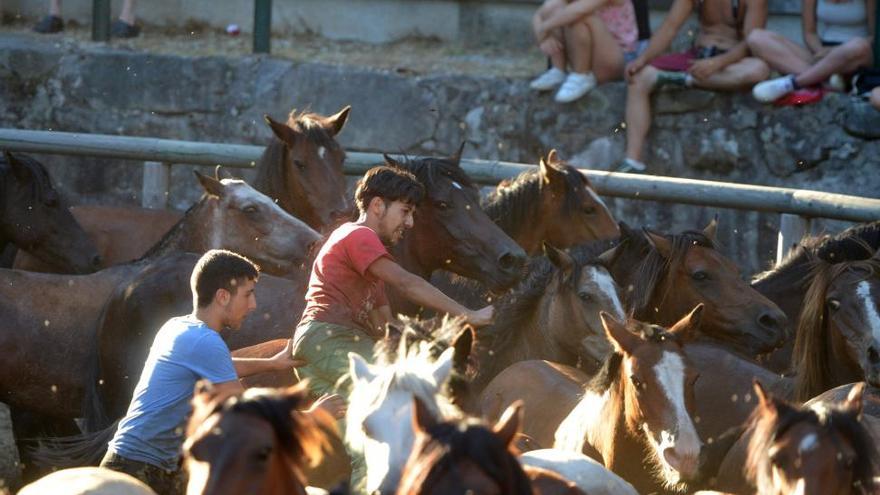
(843, 21)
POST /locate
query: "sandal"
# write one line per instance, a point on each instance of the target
(49, 24)
(122, 29)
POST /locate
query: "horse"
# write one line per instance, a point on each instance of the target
(35, 217)
(50, 380)
(258, 442)
(643, 396)
(300, 169)
(663, 276)
(554, 203)
(452, 232)
(87, 481)
(787, 448)
(587, 474)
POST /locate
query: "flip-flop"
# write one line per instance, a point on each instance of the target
(804, 96)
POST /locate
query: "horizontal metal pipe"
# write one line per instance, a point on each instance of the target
(645, 187)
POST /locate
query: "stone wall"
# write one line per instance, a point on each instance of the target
(829, 146)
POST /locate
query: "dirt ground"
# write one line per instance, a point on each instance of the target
(415, 56)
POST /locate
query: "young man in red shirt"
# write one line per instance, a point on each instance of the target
(346, 308)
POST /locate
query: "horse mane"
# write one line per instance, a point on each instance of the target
(161, 247)
(811, 355)
(431, 171)
(517, 307)
(451, 442)
(301, 436)
(511, 205)
(766, 428)
(648, 281)
(42, 188)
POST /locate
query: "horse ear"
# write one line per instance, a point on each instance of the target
(687, 327)
(391, 161)
(607, 258)
(853, 402)
(359, 369)
(456, 158)
(281, 131)
(212, 186)
(463, 343)
(660, 243)
(20, 171)
(552, 156)
(508, 426)
(559, 258)
(620, 337)
(422, 419)
(337, 122)
(764, 400)
(710, 229)
(443, 366)
(549, 173)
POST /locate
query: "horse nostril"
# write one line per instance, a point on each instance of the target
(873, 355)
(772, 321)
(96, 261)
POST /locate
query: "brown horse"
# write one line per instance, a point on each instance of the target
(452, 232)
(463, 457)
(259, 442)
(642, 396)
(63, 310)
(554, 203)
(301, 170)
(34, 217)
(803, 449)
(663, 276)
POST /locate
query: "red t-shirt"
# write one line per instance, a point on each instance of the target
(341, 290)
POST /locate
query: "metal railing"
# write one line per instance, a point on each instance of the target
(796, 206)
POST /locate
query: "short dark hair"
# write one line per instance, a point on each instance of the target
(390, 184)
(219, 269)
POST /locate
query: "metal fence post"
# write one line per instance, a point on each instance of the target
(101, 20)
(262, 25)
(157, 179)
(792, 228)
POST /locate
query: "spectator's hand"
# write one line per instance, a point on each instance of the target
(704, 68)
(634, 67)
(284, 360)
(821, 53)
(481, 317)
(551, 46)
(332, 404)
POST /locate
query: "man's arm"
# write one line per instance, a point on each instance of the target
(228, 389)
(421, 292)
(281, 361)
(756, 18)
(662, 38)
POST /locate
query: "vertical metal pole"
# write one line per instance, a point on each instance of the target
(100, 20)
(157, 180)
(262, 25)
(792, 228)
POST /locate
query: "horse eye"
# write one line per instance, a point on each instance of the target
(636, 382)
(299, 163)
(250, 209)
(585, 296)
(590, 210)
(834, 304)
(442, 205)
(262, 455)
(699, 275)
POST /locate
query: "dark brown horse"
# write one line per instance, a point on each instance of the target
(819, 449)
(554, 203)
(259, 442)
(452, 232)
(301, 170)
(35, 217)
(643, 396)
(463, 457)
(663, 276)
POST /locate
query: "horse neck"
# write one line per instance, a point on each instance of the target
(787, 287)
(597, 422)
(407, 255)
(200, 229)
(283, 478)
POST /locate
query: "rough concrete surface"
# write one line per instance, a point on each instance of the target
(697, 134)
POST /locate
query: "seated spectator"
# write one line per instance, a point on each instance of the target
(840, 45)
(123, 27)
(719, 61)
(592, 38)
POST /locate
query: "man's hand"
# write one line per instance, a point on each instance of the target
(704, 68)
(481, 317)
(333, 404)
(284, 360)
(633, 67)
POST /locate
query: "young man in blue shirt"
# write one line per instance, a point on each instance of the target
(186, 349)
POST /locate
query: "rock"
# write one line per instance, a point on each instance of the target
(862, 120)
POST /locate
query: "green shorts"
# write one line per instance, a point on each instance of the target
(325, 347)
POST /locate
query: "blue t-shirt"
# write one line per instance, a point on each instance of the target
(184, 351)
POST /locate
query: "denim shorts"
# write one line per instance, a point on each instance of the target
(634, 54)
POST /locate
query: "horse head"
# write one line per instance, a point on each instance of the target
(303, 168)
(451, 230)
(37, 218)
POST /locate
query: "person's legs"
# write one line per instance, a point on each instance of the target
(127, 14)
(160, 480)
(579, 50)
(55, 8)
(875, 97)
(555, 75)
(736, 76)
(52, 22)
(607, 55)
(779, 52)
(638, 111)
(842, 59)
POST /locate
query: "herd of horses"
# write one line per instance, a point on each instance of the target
(621, 360)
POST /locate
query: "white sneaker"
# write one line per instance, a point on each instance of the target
(628, 165)
(837, 83)
(548, 80)
(773, 89)
(575, 86)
